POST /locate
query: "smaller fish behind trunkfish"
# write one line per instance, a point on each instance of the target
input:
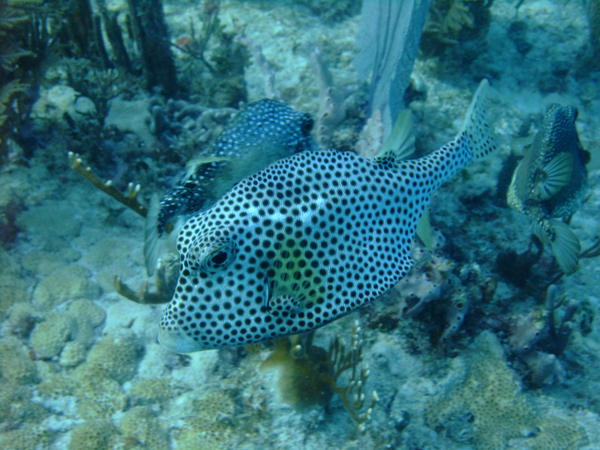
(550, 182)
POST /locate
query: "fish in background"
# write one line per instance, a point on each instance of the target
(307, 240)
(260, 134)
(549, 184)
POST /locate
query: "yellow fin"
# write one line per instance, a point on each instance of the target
(400, 144)
(558, 172)
(563, 243)
(424, 230)
(512, 196)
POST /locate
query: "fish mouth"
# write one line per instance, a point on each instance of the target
(177, 341)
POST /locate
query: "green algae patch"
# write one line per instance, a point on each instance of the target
(99, 398)
(30, 436)
(43, 263)
(17, 407)
(68, 334)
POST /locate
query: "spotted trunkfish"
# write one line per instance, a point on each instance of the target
(307, 240)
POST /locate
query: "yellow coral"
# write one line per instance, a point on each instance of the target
(210, 427)
(15, 364)
(99, 398)
(50, 336)
(114, 357)
(141, 429)
(152, 390)
(92, 435)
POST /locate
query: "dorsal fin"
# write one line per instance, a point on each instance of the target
(400, 144)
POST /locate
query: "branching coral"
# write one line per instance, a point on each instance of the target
(352, 394)
(214, 61)
(166, 279)
(128, 199)
(311, 375)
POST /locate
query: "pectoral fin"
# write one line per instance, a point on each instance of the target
(563, 243)
(556, 174)
(288, 300)
(424, 230)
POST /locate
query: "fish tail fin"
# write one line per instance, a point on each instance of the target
(563, 243)
(475, 140)
(476, 130)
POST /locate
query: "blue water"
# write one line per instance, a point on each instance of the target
(485, 343)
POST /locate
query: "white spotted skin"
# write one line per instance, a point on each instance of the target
(340, 226)
(303, 242)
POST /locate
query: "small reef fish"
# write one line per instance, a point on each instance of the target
(549, 184)
(260, 134)
(307, 240)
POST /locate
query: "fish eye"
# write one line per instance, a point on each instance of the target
(220, 256)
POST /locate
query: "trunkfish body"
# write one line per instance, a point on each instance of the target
(305, 241)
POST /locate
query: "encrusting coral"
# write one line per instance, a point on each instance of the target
(485, 407)
(92, 435)
(210, 424)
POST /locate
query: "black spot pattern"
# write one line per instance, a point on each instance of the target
(305, 241)
(262, 133)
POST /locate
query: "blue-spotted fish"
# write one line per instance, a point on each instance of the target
(549, 184)
(260, 134)
(307, 240)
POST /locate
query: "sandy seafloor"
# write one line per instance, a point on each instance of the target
(80, 365)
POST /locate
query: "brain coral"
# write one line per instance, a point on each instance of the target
(487, 408)
(15, 364)
(50, 336)
(114, 357)
(92, 435)
(141, 429)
